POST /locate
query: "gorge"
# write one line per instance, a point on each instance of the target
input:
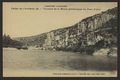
(87, 36)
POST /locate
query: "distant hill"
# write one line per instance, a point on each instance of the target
(88, 35)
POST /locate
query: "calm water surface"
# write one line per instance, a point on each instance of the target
(55, 60)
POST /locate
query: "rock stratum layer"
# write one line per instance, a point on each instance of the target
(88, 35)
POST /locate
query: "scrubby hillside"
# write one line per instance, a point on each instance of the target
(87, 36)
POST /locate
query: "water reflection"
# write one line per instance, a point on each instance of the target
(54, 60)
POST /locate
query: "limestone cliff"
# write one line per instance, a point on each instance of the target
(88, 35)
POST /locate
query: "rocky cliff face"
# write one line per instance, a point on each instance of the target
(88, 35)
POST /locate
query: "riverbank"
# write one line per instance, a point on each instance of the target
(101, 52)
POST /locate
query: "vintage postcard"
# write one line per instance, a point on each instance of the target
(60, 39)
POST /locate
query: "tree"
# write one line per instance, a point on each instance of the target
(8, 42)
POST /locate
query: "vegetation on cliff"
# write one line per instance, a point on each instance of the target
(87, 36)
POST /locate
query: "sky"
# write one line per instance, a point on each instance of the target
(26, 22)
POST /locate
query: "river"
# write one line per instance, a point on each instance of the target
(39, 60)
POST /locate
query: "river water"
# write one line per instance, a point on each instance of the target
(14, 59)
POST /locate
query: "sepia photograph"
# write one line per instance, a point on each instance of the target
(60, 39)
